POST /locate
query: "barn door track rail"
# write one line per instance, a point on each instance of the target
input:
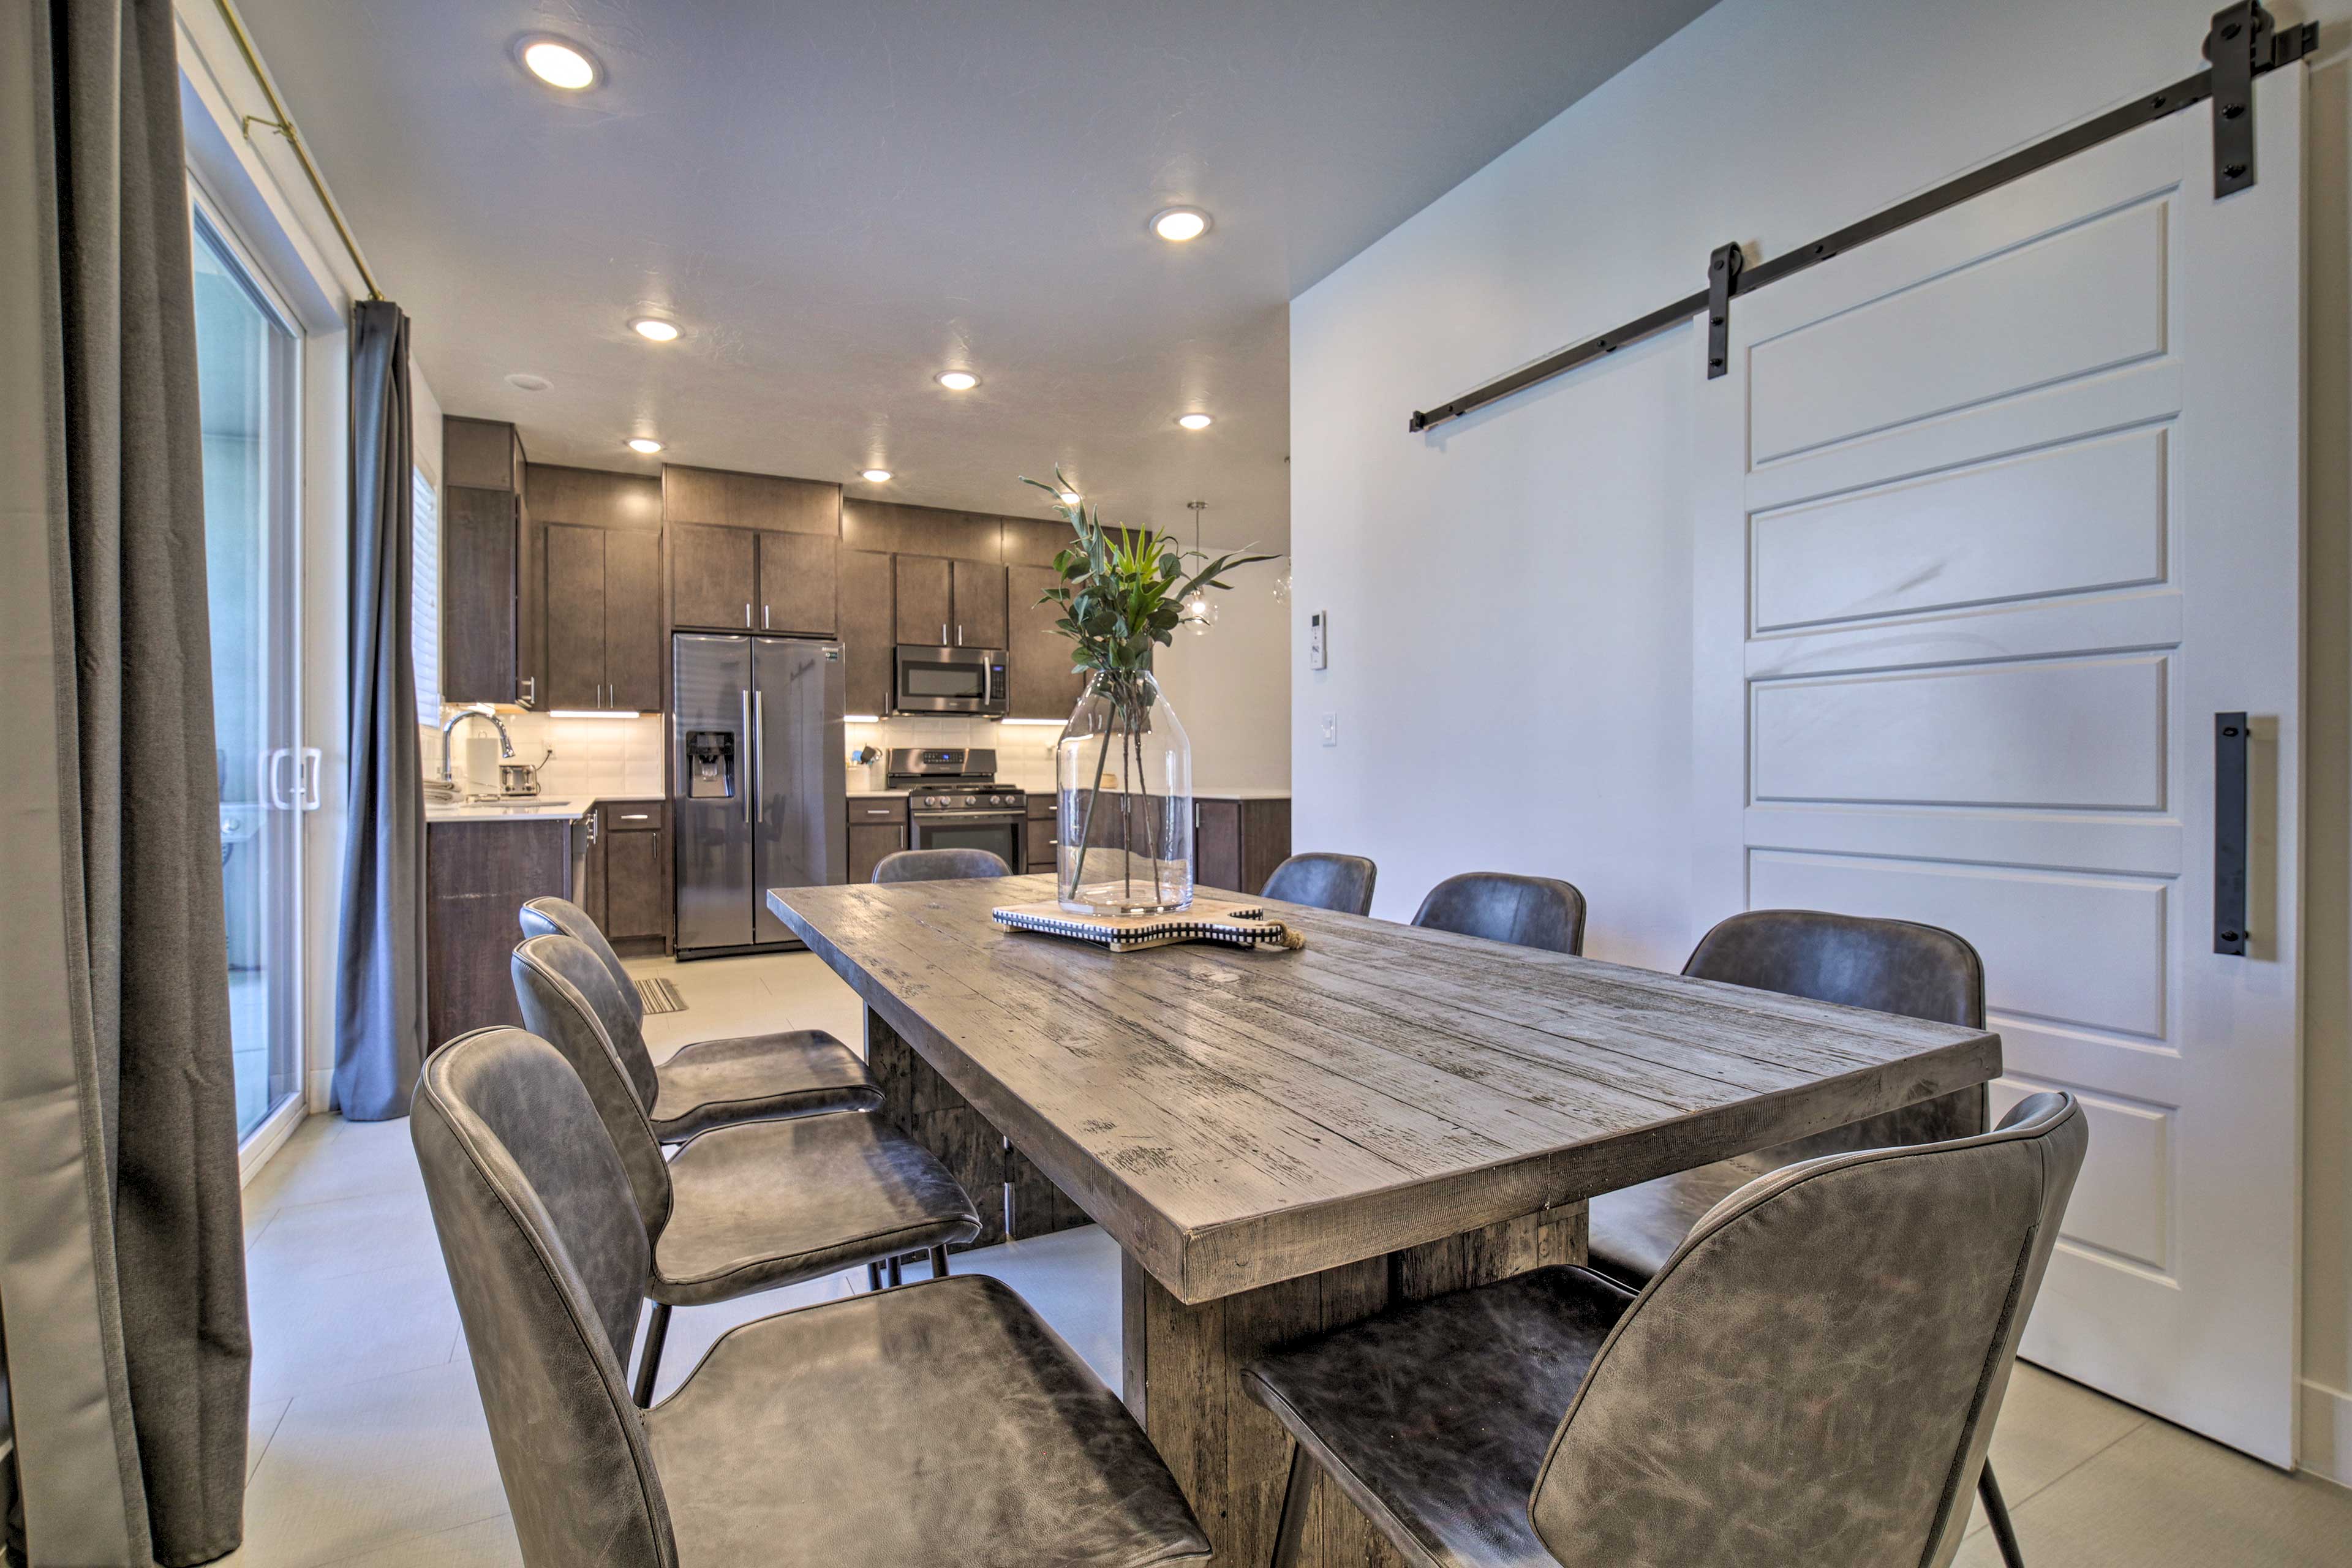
(2242, 44)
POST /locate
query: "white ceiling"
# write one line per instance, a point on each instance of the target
(839, 201)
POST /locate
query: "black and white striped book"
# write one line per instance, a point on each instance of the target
(1228, 925)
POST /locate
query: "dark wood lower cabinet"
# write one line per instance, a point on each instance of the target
(629, 893)
(869, 843)
(477, 878)
(1237, 844)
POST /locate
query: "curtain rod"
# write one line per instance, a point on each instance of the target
(2263, 49)
(284, 126)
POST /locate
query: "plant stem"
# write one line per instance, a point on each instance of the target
(1078, 866)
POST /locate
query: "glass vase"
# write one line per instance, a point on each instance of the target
(1123, 778)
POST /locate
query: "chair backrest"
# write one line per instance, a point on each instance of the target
(569, 1000)
(1889, 966)
(561, 917)
(1340, 882)
(940, 866)
(1526, 911)
(1813, 1375)
(548, 1261)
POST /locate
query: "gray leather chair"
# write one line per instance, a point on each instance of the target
(739, 1209)
(939, 1421)
(1526, 911)
(1340, 882)
(1888, 966)
(1811, 1378)
(714, 1083)
(938, 866)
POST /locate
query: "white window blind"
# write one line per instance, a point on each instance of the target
(425, 596)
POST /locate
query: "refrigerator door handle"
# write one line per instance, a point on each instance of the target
(759, 740)
(744, 762)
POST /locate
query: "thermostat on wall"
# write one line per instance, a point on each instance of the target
(1317, 656)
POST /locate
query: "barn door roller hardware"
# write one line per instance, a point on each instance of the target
(2242, 44)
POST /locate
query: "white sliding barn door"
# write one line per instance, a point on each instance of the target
(1995, 514)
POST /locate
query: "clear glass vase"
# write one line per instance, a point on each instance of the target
(1123, 775)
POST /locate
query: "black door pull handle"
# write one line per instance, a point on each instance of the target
(2230, 833)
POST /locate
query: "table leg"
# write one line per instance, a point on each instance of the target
(1182, 1377)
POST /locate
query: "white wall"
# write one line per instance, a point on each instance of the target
(1231, 687)
(1509, 595)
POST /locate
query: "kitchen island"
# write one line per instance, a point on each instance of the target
(1282, 1142)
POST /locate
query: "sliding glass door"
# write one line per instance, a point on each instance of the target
(246, 369)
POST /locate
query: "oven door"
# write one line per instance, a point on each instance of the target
(998, 832)
(949, 680)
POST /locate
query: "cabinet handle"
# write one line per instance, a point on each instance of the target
(958, 634)
(746, 615)
(636, 816)
(763, 617)
(943, 633)
(528, 694)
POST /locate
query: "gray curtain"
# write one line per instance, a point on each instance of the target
(380, 975)
(121, 1256)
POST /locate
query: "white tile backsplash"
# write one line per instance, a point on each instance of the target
(618, 758)
(1025, 752)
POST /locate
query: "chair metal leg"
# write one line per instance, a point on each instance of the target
(894, 1274)
(873, 1276)
(939, 1263)
(1290, 1539)
(650, 1359)
(2004, 1533)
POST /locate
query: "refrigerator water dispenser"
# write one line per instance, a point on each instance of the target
(710, 765)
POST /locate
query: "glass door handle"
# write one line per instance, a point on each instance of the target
(307, 786)
(272, 763)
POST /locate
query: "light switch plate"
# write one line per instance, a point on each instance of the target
(1317, 654)
(1331, 729)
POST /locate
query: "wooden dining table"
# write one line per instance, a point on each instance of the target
(1284, 1142)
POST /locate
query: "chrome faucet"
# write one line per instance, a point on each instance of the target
(506, 745)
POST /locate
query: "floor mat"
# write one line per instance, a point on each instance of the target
(660, 996)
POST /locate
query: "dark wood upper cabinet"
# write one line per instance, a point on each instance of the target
(867, 632)
(979, 620)
(480, 534)
(925, 599)
(481, 453)
(799, 582)
(714, 576)
(751, 501)
(1037, 672)
(1034, 540)
(899, 530)
(603, 617)
(633, 630)
(574, 677)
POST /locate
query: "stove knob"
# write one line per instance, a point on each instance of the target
(931, 800)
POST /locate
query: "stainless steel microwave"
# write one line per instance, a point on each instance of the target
(947, 680)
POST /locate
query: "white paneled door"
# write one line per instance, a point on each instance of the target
(1996, 514)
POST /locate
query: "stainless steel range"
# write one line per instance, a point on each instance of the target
(953, 801)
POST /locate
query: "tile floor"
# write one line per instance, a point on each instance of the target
(368, 1444)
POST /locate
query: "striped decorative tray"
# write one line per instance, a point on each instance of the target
(1227, 925)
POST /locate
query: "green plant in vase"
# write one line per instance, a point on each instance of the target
(1121, 594)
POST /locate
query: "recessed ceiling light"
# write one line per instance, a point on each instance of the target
(654, 328)
(958, 379)
(1194, 421)
(876, 476)
(645, 444)
(558, 64)
(523, 381)
(1178, 225)
(1070, 498)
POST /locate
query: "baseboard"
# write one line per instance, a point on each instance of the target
(2327, 1433)
(322, 1090)
(267, 1140)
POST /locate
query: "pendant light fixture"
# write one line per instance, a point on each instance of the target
(1282, 582)
(1200, 611)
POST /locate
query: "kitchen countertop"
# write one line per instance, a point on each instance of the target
(1241, 794)
(527, 808)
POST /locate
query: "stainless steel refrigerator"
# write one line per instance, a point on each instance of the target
(757, 788)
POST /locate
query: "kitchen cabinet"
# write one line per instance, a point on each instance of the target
(867, 635)
(945, 603)
(604, 618)
(714, 576)
(1040, 844)
(1236, 844)
(769, 502)
(1039, 682)
(481, 537)
(925, 590)
(629, 875)
(478, 876)
(869, 843)
(979, 609)
(745, 579)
